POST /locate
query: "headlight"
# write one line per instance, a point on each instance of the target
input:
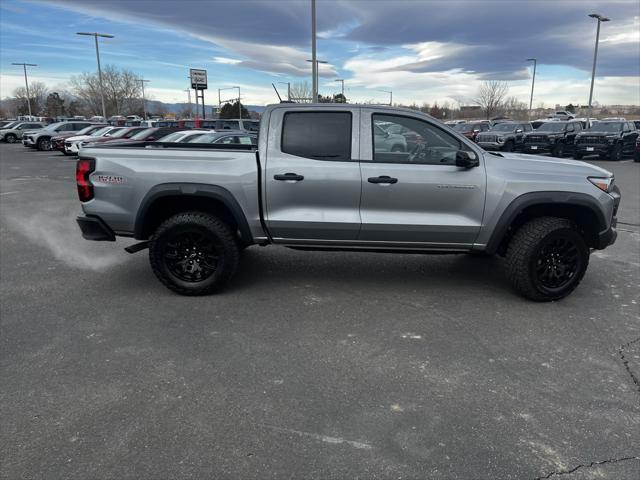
(500, 139)
(603, 183)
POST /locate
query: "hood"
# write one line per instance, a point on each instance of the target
(36, 130)
(587, 133)
(75, 138)
(550, 166)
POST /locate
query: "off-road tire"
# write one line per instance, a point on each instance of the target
(616, 153)
(509, 146)
(558, 150)
(223, 239)
(42, 143)
(523, 254)
(577, 156)
(10, 138)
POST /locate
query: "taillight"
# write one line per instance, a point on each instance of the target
(84, 168)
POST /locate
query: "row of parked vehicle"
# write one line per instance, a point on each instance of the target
(609, 139)
(69, 137)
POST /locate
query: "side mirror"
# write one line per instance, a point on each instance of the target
(519, 130)
(476, 130)
(466, 159)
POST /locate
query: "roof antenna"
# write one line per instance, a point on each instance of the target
(274, 87)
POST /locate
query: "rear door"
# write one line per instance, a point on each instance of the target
(312, 175)
(418, 198)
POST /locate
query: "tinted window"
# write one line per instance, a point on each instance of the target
(423, 142)
(528, 127)
(320, 135)
(227, 125)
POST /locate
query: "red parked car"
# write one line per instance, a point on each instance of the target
(57, 142)
(472, 129)
(123, 134)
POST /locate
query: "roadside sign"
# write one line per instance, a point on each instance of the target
(198, 79)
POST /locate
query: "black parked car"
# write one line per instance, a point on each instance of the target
(556, 138)
(608, 139)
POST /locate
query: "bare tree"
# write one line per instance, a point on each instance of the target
(301, 92)
(38, 93)
(122, 91)
(491, 96)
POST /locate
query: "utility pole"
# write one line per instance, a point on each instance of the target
(390, 92)
(341, 80)
(533, 82)
(26, 82)
(188, 90)
(600, 19)
(314, 61)
(96, 35)
(316, 77)
(144, 103)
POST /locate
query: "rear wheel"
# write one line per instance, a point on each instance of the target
(10, 138)
(546, 259)
(44, 144)
(193, 253)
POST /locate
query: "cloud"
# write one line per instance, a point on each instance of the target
(227, 61)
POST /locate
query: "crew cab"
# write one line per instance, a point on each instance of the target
(319, 180)
(557, 138)
(608, 139)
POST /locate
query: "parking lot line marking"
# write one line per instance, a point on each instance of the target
(8, 193)
(322, 438)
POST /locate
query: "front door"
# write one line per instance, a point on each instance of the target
(312, 175)
(418, 197)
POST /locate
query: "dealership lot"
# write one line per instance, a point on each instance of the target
(335, 365)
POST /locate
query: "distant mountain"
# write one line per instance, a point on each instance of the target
(153, 105)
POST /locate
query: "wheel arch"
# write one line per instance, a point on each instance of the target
(580, 208)
(168, 199)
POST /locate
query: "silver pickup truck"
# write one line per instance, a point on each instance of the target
(319, 180)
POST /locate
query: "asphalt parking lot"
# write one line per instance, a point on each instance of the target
(311, 365)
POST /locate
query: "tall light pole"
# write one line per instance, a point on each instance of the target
(341, 80)
(316, 76)
(288, 84)
(188, 90)
(26, 83)
(600, 18)
(533, 82)
(390, 92)
(314, 61)
(144, 103)
(95, 35)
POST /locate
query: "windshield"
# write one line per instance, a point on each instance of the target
(143, 134)
(504, 127)
(552, 127)
(463, 127)
(120, 133)
(87, 130)
(172, 137)
(606, 127)
(101, 131)
(11, 125)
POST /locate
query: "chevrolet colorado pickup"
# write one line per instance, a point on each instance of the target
(319, 181)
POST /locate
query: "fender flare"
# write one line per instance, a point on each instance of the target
(214, 192)
(526, 200)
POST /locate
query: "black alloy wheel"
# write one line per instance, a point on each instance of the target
(191, 256)
(557, 263)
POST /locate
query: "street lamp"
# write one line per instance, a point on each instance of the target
(288, 84)
(600, 18)
(341, 80)
(95, 35)
(390, 92)
(26, 83)
(144, 104)
(239, 104)
(533, 82)
(316, 77)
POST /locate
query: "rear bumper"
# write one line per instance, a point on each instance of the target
(93, 228)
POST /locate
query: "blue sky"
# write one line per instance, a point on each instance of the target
(423, 50)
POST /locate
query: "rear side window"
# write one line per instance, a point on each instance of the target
(319, 135)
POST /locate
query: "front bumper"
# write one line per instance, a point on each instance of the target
(609, 236)
(491, 145)
(94, 228)
(595, 149)
(28, 142)
(537, 147)
(71, 148)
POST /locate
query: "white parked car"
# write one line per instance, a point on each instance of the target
(72, 144)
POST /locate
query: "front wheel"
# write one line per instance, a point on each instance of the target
(546, 259)
(10, 138)
(509, 146)
(193, 253)
(577, 156)
(44, 144)
(616, 153)
(558, 150)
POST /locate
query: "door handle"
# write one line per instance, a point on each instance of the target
(289, 177)
(382, 179)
